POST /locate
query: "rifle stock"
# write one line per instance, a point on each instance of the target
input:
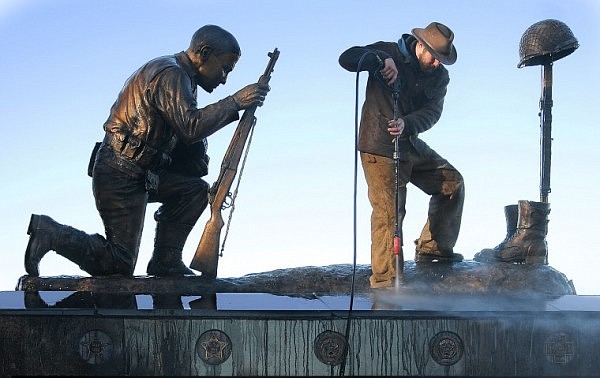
(206, 258)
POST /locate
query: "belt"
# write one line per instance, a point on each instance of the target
(137, 151)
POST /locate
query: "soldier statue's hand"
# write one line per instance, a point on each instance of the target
(251, 95)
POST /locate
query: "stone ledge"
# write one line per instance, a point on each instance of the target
(467, 277)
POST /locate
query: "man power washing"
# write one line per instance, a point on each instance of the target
(417, 62)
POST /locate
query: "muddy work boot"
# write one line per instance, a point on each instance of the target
(511, 213)
(425, 255)
(168, 248)
(437, 256)
(528, 244)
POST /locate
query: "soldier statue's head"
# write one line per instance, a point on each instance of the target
(214, 52)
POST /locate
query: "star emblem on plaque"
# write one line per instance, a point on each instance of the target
(214, 347)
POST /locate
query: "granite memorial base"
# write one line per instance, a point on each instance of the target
(71, 326)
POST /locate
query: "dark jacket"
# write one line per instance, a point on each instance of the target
(155, 120)
(421, 94)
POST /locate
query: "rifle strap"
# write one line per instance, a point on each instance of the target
(235, 192)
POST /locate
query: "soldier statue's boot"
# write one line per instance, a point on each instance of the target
(45, 234)
(168, 248)
(511, 213)
(528, 244)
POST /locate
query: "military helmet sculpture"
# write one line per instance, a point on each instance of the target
(545, 42)
(527, 222)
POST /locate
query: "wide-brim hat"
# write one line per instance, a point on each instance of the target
(438, 40)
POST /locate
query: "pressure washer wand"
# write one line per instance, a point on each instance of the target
(397, 245)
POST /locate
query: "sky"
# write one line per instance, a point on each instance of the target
(64, 62)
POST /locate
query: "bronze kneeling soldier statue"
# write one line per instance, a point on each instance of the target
(154, 150)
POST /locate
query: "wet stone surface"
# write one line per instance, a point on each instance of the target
(467, 277)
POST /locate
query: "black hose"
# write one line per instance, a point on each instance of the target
(353, 285)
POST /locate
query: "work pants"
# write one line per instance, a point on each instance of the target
(431, 173)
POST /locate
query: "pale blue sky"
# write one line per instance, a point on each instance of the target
(64, 61)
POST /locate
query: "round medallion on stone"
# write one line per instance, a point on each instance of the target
(559, 348)
(446, 348)
(330, 347)
(214, 347)
(95, 347)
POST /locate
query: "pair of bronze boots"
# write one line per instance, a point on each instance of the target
(98, 257)
(525, 242)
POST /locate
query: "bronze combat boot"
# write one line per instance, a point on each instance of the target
(511, 214)
(168, 247)
(45, 234)
(528, 244)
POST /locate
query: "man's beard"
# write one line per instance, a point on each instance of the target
(426, 68)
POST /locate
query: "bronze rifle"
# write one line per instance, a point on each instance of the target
(206, 257)
(546, 131)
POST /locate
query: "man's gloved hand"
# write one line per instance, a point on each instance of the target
(251, 95)
(389, 72)
(396, 127)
